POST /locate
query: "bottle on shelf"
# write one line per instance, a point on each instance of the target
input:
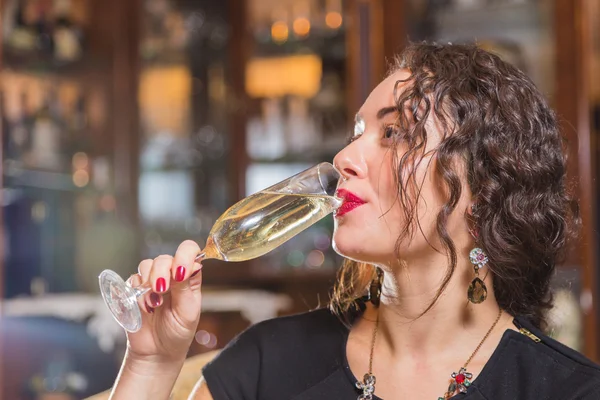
(78, 126)
(46, 151)
(21, 35)
(67, 35)
(19, 134)
(44, 28)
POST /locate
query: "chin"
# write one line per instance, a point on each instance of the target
(360, 248)
(349, 249)
(341, 246)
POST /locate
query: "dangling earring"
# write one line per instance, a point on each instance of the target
(375, 288)
(477, 292)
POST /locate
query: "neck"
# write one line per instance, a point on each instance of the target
(452, 326)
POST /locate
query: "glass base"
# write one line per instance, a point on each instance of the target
(121, 300)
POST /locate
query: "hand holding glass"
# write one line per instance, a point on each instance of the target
(249, 229)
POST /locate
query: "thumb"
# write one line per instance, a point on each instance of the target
(195, 281)
(186, 296)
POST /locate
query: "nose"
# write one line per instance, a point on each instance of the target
(350, 162)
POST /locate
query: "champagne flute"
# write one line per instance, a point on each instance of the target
(249, 229)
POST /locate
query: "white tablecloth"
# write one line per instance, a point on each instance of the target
(254, 305)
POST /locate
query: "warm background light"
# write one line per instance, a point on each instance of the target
(333, 19)
(279, 31)
(81, 178)
(80, 160)
(301, 26)
(164, 98)
(281, 76)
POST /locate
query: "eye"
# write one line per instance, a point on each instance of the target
(391, 132)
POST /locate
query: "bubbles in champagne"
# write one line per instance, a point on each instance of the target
(264, 221)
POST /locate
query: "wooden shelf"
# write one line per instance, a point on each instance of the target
(255, 274)
(79, 70)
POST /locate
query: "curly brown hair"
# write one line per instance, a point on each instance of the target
(495, 120)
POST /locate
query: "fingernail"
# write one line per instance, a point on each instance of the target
(154, 300)
(180, 273)
(149, 309)
(194, 273)
(161, 285)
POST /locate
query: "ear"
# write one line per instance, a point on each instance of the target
(472, 209)
(471, 212)
(471, 217)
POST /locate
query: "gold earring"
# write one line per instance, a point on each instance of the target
(477, 292)
(375, 288)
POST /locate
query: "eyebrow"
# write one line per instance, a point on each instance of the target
(385, 111)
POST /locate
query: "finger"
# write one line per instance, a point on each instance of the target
(183, 262)
(147, 302)
(186, 298)
(144, 269)
(151, 300)
(195, 281)
(160, 275)
(197, 269)
(154, 300)
(135, 281)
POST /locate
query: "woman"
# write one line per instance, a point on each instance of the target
(456, 213)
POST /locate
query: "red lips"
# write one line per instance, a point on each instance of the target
(350, 202)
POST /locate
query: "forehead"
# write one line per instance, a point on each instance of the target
(383, 95)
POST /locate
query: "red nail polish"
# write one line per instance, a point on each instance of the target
(161, 285)
(180, 273)
(155, 300)
(149, 309)
(194, 273)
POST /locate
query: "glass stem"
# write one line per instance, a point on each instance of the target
(142, 289)
(146, 287)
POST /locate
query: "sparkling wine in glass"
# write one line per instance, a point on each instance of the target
(249, 229)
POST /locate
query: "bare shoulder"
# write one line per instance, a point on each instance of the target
(200, 391)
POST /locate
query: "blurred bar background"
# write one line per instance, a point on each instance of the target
(130, 126)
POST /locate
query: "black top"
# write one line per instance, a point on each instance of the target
(303, 357)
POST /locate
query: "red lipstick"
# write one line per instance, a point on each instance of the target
(350, 202)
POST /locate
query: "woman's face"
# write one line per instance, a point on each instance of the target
(369, 232)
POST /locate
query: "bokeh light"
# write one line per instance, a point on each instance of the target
(301, 26)
(206, 339)
(315, 259)
(80, 160)
(322, 241)
(279, 32)
(81, 178)
(333, 19)
(295, 258)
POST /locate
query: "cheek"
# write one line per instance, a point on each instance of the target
(385, 184)
(426, 194)
(391, 212)
(433, 196)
